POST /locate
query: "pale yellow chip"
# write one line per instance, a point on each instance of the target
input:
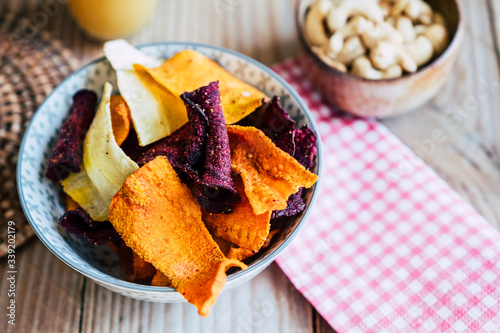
(151, 106)
(105, 165)
(188, 70)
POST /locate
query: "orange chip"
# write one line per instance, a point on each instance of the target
(188, 70)
(120, 118)
(158, 217)
(231, 251)
(270, 175)
(242, 227)
(70, 204)
(134, 268)
(161, 280)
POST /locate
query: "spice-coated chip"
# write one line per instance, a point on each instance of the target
(68, 152)
(157, 216)
(242, 227)
(269, 174)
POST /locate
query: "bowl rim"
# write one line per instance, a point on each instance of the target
(114, 281)
(447, 53)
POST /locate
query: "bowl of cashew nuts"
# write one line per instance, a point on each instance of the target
(378, 58)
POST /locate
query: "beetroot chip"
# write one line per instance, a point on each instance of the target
(278, 126)
(305, 146)
(214, 189)
(172, 147)
(295, 205)
(79, 223)
(131, 146)
(68, 153)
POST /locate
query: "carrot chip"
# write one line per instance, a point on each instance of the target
(269, 174)
(242, 227)
(157, 216)
(120, 118)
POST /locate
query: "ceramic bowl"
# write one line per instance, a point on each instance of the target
(382, 98)
(40, 198)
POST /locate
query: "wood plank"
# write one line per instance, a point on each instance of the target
(47, 292)
(268, 303)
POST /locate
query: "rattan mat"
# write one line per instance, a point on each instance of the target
(31, 65)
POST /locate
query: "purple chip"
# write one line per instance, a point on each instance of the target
(295, 205)
(278, 126)
(214, 189)
(79, 223)
(68, 153)
(299, 143)
(172, 147)
(305, 146)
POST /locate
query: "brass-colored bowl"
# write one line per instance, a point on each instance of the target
(388, 97)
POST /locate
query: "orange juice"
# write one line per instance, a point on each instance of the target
(110, 19)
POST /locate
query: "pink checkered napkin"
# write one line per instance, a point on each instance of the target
(390, 247)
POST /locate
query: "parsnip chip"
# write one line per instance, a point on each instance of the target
(153, 109)
(188, 70)
(269, 174)
(120, 118)
(157, 217)
(105, 165)
(242, 227)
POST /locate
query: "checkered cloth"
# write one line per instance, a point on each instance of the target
(390, 247)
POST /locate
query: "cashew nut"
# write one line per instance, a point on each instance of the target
(353, 48)
(335, 44)
(357, 25)
(405, 26)
(375, 39)
(314, 29)
(338, 16)
(438, 35)
(382, 31)
(439, 19)
(399, 7)
(420, 29)
(421, 50)
(419, 11)
(386, 54)
(329, 60)
(362, 66)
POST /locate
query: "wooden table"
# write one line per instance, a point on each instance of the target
(53, 298)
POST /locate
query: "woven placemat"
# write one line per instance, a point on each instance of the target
(31, 65)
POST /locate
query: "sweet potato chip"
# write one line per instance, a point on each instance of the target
(270, 175)
(134, 268)
(106, 166)
(161, 280)
(68, 152)
(155, 111)
(120, 118)
(188, 70)
(231, 251)
(157, 216)
(242, 227)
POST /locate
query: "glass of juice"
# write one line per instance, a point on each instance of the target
(110, 19)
